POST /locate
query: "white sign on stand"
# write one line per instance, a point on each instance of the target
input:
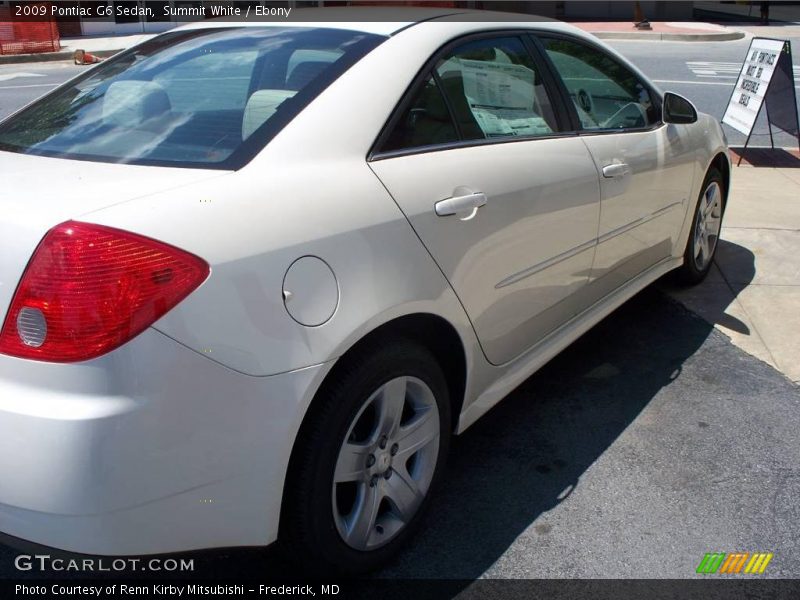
(751, 88)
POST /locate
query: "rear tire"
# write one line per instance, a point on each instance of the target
(701, 247)
(366, 461)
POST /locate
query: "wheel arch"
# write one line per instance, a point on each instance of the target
(434, 332)
(441, 339)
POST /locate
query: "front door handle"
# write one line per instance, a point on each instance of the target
(465, 201)
(615, 170)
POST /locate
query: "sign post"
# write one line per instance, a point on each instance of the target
(766, 79)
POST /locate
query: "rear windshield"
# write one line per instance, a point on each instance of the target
(209, 98)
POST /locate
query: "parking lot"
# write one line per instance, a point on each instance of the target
(650, 442)
(663, 434)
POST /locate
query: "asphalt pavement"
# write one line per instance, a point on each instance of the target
(650, 442)
(23, 83)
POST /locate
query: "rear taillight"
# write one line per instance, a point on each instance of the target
(89, 289)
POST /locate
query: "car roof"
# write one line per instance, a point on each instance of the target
(388, 20)
(373, 19)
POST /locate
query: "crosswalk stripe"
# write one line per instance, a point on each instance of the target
(709, 68)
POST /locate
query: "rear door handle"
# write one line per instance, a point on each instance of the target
(465, 202)
(615, 170)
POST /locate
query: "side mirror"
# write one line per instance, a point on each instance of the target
(678, 109)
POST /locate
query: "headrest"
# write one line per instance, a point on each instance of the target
(132, 103)
(261, 106)
(304, 73)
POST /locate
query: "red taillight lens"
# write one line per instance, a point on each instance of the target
(89, 289)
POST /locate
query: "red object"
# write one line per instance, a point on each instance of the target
(28, 35)
(96, 288)
(81, 57)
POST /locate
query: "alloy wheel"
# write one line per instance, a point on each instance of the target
(386, 463)
(707, 226)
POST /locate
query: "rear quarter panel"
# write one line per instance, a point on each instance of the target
(252, 225)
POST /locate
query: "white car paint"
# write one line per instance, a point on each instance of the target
(180, 439)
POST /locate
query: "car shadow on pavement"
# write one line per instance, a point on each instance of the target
(767, 157)
(733, 271)
(527, 454)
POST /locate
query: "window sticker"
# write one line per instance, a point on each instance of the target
(501, 97)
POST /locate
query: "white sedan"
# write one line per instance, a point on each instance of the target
(253, 278)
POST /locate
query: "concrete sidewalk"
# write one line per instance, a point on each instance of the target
(752, 294)
(685, 31)
(104, 46)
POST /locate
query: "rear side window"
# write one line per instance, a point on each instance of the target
(495, 90)
(209, 98)
(488, 88)
(605, 93)
(425, 122)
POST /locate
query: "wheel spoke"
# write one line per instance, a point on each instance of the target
(350, 466)
(705, 250)
(417, 434)
(712, 224)
(698, 246)
(712, 198)
(362, 523)
(708, 223)
(391, 402)
(403, 494)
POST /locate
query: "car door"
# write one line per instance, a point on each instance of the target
(646, 167)
(505, 201)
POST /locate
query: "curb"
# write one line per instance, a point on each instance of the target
(15, 59)
(725, 36)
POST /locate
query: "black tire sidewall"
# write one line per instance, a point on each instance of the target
(320, 542)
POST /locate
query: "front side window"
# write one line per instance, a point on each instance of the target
(606, 94)
(207, 98)
(489, 88)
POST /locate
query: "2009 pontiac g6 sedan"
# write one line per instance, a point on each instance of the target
(252, 278)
